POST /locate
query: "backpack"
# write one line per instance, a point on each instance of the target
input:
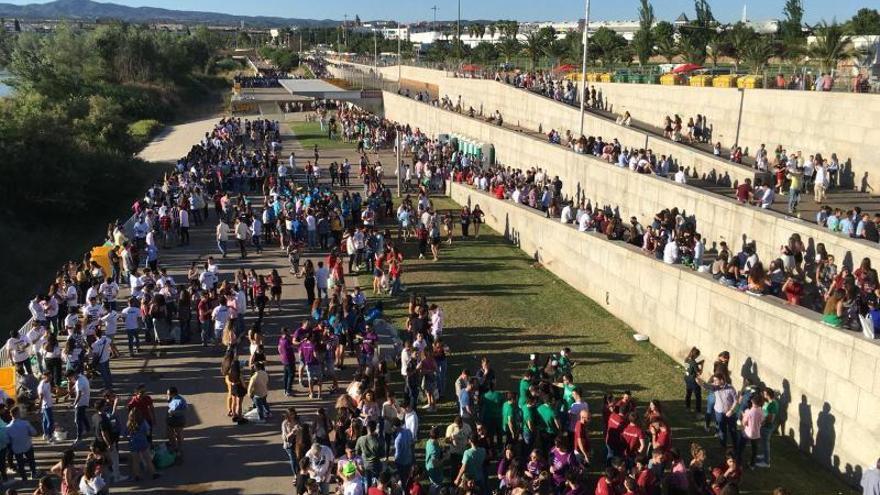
(110, 425)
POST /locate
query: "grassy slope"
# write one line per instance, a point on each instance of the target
(309, 134)
(497, 304)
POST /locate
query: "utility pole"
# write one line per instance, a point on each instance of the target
(399, 64)
(345, 32)
(399, 171)
(584, 64)
(458, 33)
(375, 50)
(434, 26)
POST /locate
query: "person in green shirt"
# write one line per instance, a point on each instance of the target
(473, 464)
(549, 421)
(433, 460)
(567, 387)
(524, 385)
(509, 423)
(565, 362)
(771, 413)
(529, 427)
(490, 413)
(368, 448)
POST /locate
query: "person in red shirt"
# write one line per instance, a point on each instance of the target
(499, 191)
(729, 474)
(613, 428)
(581, 447)
(606, 483)
(744, 191)
(631, 487)
(633, 439)
(646, 480)
(660, 436)
(142, 401)
(626, 404)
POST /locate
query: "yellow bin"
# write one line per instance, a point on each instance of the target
(701, 81)
(749, 82)
(7, 380)
(670, 79)
(606, 77)
(101, 255)
(726, 81)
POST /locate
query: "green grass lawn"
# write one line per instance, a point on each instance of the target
(498, 305)
(309, 134)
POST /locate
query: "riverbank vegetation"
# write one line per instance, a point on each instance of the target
(85, 101)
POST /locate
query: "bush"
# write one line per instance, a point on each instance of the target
(142, 131)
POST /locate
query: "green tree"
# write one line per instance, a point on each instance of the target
(663, 30)
(643, 40)
(668, 49)
(509, 48)
(491, 30)
(865, 22)
(832, 46)
(758, 52)
(739, 38)
(534, 46)
(485, 52)
(696, 35)
(716, 49)
(609, 45)
(791, 27)
(557, 50)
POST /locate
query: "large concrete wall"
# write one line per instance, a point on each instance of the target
(829, 378)
(718, 217)
(843, 123)
(530, 111)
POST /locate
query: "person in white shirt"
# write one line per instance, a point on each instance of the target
(567, 214)
(36, 335)
(132, 321)
(670, 252)
(222, 236)
(680, 176)
(18, 350)
(108, 291)
(242, 235)
(437, 320)
(100, 354)
(37, 309)
(47, 402)
(256, 233)
(92, 313)
(220, 315)
(322, 276)
(183, 219)
(207, 279)
(81, 394)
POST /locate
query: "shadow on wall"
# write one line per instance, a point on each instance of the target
(816, 439)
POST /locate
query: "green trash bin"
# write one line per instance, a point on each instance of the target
(620, 78)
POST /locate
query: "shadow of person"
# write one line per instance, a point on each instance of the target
(825, 436)
(805, 425)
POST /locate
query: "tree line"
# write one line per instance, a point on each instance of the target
(65, 134)
(700, 40)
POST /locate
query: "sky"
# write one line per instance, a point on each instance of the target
(521, 10)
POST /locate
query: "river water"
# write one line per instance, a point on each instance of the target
(4, 89)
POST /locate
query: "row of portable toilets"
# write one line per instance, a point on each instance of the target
(484, 152)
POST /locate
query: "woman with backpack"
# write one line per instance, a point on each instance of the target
(139, 446)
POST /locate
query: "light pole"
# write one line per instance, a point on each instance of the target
(584, 63)
(397, 138)
(399, 60)
(458, 33)
(375, 50)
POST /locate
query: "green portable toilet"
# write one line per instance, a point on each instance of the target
(488, 153)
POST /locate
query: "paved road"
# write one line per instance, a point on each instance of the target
(220, 457)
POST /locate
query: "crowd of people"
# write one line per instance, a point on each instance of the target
(265, 79)
(846, 298)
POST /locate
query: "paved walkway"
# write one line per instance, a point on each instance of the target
(175, 141)
(221, 457)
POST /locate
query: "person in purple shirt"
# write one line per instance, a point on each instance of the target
(368, 345)
(561, 460)
(299, 336)
(309, 357)
(287, 354)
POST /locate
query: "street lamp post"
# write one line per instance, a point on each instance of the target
(458, 34)
(584, 63)
(399, 60)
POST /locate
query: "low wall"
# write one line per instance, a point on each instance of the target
(829, 379)
(718, 218)
(842, 123)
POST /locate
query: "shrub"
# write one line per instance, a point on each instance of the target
(142, 131)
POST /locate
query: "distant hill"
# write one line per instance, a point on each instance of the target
(87, 10)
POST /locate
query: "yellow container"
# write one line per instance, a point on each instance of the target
(701, 81)
(606, 77)
(593, 77)
(7, 380)
(101, 255)
(574, 76)
(670, 79)
(727, 81)
(749, 82)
